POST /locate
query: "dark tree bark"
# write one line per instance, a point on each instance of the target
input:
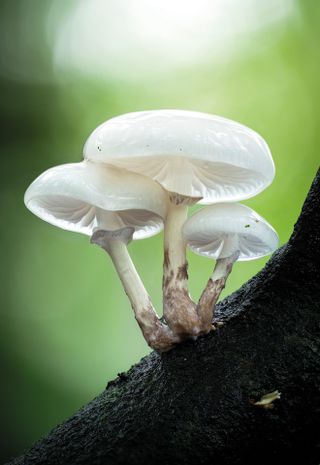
(195, 404)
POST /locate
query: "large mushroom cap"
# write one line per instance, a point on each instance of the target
(208, 230)
(73, 196)
(192, 154)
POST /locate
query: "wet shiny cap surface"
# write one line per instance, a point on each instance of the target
(81, 196)
(219, 230)
(191, 153)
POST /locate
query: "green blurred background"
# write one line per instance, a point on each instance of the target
(65, 67)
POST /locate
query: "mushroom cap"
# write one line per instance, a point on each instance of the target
(73, 197)
(208, 230)
(190, 153)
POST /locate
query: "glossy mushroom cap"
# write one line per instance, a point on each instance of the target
(81, 196)
(220, 230)
(190, 153)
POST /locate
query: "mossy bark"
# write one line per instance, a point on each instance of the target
(195, 404)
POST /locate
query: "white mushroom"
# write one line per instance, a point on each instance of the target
(112, 206)
(226, 232)
(190, 153)
(195, 157)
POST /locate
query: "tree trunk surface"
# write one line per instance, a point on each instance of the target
(195, 404)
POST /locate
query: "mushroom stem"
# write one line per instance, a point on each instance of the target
(158, 335)
(179, 310)
(213, 289)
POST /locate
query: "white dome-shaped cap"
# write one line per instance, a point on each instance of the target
(74, 196)
(190, 153)
(219, 230)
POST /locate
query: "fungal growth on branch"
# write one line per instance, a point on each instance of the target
(196, 157)
(113, 207)
(226, 232)
(141, 172)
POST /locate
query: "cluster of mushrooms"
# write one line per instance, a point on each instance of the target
(141, 172)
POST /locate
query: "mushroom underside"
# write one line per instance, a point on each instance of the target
(76, 215)
(212, 181)
(249, 247)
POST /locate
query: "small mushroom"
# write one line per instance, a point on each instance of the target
(195, 157)
(112, 206)
(226, 232)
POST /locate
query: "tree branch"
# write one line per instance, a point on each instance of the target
(195, 404)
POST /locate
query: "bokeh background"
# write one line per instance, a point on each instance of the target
(65, 67)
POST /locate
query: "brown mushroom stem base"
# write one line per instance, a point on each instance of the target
(158, 335)
(179, 310)
(213, 289)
